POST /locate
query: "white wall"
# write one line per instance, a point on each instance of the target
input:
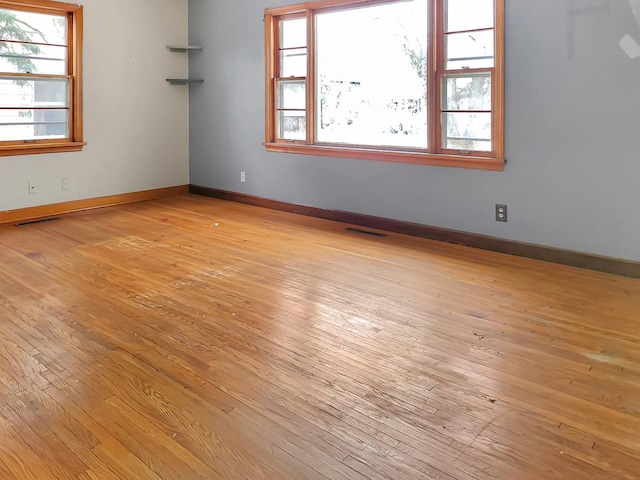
(136, 125)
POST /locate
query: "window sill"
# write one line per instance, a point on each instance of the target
(36, 148)
(420, 158)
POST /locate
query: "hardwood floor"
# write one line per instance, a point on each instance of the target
(191, 338)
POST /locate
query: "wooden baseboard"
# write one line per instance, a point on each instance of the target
(44, 211)
(538, 252)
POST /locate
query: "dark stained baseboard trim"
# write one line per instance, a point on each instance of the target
(538, 252)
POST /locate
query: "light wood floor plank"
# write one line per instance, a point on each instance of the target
(199, 339)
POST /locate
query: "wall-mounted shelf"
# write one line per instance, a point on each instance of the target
(183, 49)
(184, 81)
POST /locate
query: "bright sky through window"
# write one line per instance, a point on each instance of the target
(40, 77)
(372, 85)
(420, 81)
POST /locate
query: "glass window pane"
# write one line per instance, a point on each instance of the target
(28, 58)
(467, 131)
(33, 27)
(468, 15)
(21, 92)
(293, 63)
(372, 75)
(292, 95)
(33, 124)
(467, 145)
(293, 33)
(470, 50)
(467, 92)
(292, 125)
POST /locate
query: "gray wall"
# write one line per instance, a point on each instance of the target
(572, 133)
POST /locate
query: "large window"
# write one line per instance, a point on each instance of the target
(416, 81)
(40, 77)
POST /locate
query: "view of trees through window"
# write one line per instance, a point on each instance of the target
(373, 80)
(34, 88)
(371, 74)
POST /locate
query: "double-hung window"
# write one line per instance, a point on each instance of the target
(40, 77)
(415, 81)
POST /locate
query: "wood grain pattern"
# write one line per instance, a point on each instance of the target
(194, 338)
(44, 211)
(598, 263)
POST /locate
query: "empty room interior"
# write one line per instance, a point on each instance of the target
(324, 240)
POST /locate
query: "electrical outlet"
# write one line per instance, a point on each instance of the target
(243, 177)
(501, 213)
(33, 189)
(65, 184)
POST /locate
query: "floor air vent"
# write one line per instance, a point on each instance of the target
(33, 222)
(366, 232)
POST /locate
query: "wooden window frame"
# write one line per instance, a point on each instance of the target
(74, 142)
(435, 154)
